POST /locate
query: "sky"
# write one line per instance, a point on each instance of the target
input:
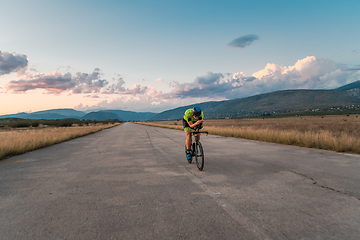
(151, 56)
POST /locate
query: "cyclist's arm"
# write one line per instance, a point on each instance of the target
(202, 122)
(199, 123)
(192, 125)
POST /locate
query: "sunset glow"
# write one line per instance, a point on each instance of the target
(170, 54)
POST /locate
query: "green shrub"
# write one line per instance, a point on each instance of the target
(35, 123)
(19, 124)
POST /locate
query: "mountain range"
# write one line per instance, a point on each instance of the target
(96, 115)
(285, 101)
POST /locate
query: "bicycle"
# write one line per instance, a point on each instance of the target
(197, 150)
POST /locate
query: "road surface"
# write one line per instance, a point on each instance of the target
(133, 182)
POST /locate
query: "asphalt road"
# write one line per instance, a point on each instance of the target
(133, 182)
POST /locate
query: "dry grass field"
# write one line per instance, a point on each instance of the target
(18, 141)
(339, 133)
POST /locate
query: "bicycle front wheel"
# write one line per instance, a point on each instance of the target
(199, 156)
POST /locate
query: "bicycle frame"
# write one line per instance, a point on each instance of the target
(198, 153)
(195, 134)
(195, 143)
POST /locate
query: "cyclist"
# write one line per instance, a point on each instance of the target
(192, 118)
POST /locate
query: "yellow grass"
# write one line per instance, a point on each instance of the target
(336, 133)
(14, 142)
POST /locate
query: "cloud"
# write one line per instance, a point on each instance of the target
(12, 62)
(67, 68)
(56, 83)
(307, 73)
(118, 88)
(211, 85)
(203, 86)
(243, 41)
(78, 83)
(91, 96)
(140, 104)
(159, 80)
(355, 68)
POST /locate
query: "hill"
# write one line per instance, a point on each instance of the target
(352, 85)
(68, 112)
(48, 114)
(71, 113)
(132, 116)
(101, 116)
(279, 102)
(286, 101)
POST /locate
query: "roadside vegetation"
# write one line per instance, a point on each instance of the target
(67, 122)
(340, 133)
(20, 136)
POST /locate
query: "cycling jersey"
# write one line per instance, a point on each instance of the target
(188, 116)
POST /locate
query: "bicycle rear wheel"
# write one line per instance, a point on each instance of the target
(199, 156)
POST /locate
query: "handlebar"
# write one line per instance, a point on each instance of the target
(196, 132)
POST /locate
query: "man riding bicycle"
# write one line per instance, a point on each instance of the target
(192, 118)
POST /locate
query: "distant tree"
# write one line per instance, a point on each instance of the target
(35, 123)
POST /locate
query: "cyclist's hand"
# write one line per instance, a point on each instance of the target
(199, 122)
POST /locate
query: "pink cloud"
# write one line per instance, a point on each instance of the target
(307, 73)
(56, 83)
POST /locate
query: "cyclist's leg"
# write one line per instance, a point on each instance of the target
(188, 146)
(188, 139)
(187, 131)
